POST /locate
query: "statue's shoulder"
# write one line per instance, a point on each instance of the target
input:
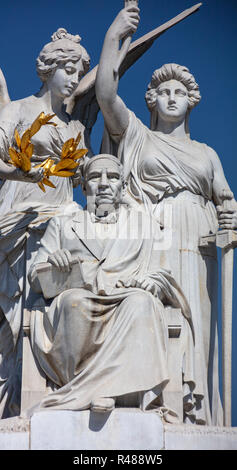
(71, 212)
(10, 110)
(17, 110)
(135, 120)
(202, 145)
(209, 151)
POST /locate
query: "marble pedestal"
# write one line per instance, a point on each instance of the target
(123, 429)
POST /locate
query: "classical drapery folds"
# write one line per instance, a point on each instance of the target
(94, 341)
(117, 300)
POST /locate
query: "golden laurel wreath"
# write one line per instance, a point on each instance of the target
(70, 155)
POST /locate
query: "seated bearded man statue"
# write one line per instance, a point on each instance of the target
(104, 341)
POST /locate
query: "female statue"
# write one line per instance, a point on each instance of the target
(164, 169)
(24, 208)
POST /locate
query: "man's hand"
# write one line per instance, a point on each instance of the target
(145, 284)
(61, 259)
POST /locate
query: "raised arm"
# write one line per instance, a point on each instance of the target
(113, 108)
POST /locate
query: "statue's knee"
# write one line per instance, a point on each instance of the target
(142, 303)
(71, 300)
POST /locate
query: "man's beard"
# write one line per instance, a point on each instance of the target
(104, 209)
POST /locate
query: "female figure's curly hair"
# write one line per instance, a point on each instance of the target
(63, 48)
(171, 72)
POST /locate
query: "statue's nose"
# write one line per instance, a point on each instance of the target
(104, 179)
(172, 98)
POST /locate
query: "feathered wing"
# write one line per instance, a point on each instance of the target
(4, 96)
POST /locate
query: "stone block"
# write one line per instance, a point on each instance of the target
(186, 437)
(14, 434)
(123, 429)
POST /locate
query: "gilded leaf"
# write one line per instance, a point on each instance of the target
(48, 163)
(15, 157)
(72, 164)
(76, 142)
(41, 116)
(51, 124)
(29, 150)
(45, 118)
(66, 148)
(25, 162)
(17, 138)
(65, 163)
(64, 173)
(25, 140)
(40, 121)
(48, 183)
(40, 165)
(79, 154)
(78, 138)
(41, 186)
(51, 170)
(35, 126)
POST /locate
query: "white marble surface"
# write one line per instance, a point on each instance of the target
(123, 429)
(14, 434)
(84, 342)
(192, 183)
(200, 438)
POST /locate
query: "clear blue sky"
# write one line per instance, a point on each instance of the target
(205, 42)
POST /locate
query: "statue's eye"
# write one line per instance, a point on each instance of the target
(95, 176)
(163, 92)
(180, 92)
(69, 70)
(114, 177)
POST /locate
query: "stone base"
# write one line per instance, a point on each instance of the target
(123, 429)
(14, 434)
(199, 438)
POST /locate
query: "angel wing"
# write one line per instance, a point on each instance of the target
(4, 96)
(83, 104)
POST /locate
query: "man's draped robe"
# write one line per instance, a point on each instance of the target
(104, 340)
